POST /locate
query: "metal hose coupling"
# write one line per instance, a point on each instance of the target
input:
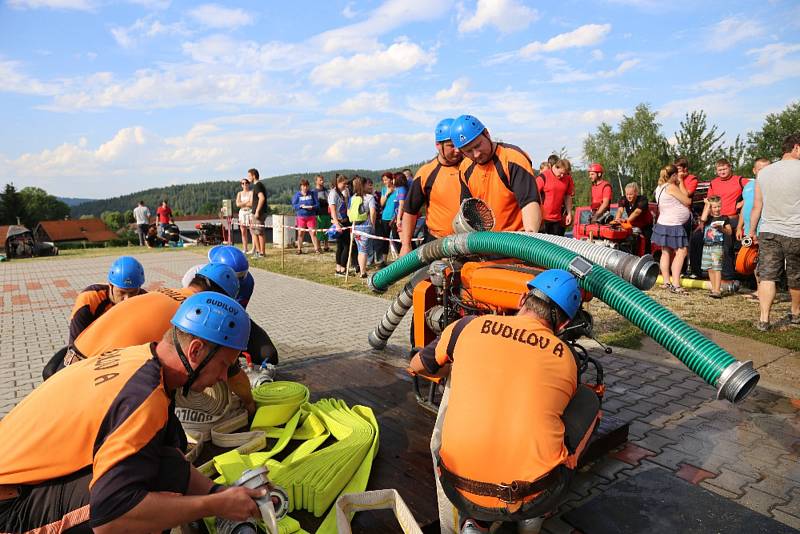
(737, 381)
(273, 506)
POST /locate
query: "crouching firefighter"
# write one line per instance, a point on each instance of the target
(98, 445)
(515, 419)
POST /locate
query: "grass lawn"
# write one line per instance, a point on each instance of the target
(733, 314)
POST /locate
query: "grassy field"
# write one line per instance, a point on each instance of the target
(733, 314)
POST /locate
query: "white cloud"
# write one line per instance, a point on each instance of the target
(12, 80)
(349, 11)
(360, 69)
(224, 50)
(506, 16)
(586, 35)
(773, 63)
(79, 5)
(362, 103)
(216, 16)
(147, 27)
(730, 31)
(392, 14)
(597, 54)
(174, 86)
(152, 4)
(385, 147)
(563, 73)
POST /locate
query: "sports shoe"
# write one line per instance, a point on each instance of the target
(762, 326)
(471, 527)
(793, 319)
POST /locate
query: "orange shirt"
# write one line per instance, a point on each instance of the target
(552, 191)
(134, 321)
(510, 381)
(109, 414)
(505, 183)
(439, 188)
(91, 303)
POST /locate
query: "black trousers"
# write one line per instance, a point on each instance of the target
(552, 228)
(382, 229)
(342, 246)
(729, 248)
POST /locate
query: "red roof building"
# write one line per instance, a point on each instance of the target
(91, 230)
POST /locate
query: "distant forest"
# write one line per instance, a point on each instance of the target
(206, 197)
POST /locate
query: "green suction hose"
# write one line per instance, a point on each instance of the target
(733, 379)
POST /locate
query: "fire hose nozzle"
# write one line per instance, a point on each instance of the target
(273, 506)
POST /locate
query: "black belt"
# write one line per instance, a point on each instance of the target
(507, 492)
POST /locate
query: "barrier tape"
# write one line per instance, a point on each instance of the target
(315, 230)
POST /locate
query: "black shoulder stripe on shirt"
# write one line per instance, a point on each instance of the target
(516, 149)
(469, 172)
(456, 333)
(429, 183)
(498, 165)
(135, 391)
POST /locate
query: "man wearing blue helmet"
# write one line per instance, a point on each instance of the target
(519, 416)
(236, 260)
(125, 280)
(500, 174)
(438, 188)
(131, 474)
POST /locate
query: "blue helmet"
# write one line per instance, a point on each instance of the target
(223, 276)
(230, 256)
(215, 318)
(443, 130)
(126, 272)
(465, 129)
(559, 287)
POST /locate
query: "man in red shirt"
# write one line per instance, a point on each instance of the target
(556, 190)
(689, 180)
(164, 215)
(601, 192)
(729, 188)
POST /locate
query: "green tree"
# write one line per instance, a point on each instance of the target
(738, 154)
(604, 147)
(766, 142)
(113, 220)
(698, 143)
(635, 152)
(12, 207)
(643, 147)
(40, 206)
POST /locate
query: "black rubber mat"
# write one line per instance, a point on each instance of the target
(656, 502)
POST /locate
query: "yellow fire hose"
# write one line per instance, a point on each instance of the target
(690, 283)
(313, 478)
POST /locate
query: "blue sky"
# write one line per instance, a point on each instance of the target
(101, 98)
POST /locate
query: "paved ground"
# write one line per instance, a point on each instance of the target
(747, 453)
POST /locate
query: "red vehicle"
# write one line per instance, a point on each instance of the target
(619, 236)
(622, 236)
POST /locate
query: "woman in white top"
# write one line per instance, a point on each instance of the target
(244, 201)
(673, 211)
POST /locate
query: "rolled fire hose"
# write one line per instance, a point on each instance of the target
(214, 415)
(314, 478)
(734, 380)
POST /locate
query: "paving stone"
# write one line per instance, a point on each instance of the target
(556, 525)
(672, 459)
(692, 474)
(788, 519)
(632, 454)
(732, 481)
(775, 485)
(654, 442)
(719, 491)
(759, 501)
(609, 468)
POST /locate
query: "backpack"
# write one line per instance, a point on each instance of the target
(357, 212)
